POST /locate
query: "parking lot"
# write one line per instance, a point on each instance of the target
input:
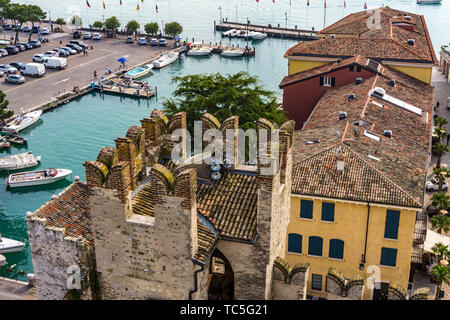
(79, 71)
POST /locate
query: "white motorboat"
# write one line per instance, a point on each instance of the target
(230, 33)
(19, 161)
(34, 178)
(201, 51)
(23, 121)
(139, 71)
(257, 35)
(429, 1)
(165, 60)
(10, 245)
(231, 53)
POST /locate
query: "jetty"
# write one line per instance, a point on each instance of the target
(276, 32)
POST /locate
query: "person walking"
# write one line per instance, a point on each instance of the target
(95, 74)
(448, 138)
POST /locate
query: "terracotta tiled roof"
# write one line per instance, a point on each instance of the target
(230, 204)
(388, 41)
(71, 211)
(206, 241)
(401, 159)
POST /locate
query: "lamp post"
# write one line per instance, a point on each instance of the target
(220, 9)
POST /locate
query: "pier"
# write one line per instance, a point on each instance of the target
(275, 32)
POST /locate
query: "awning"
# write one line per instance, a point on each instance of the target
(433, 238)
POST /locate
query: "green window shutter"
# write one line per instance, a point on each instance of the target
(294, 243)
(336, 249)
(327, 211)
(306, 209)
(321, 81)
(392, 223)
(316, 282)
(315, 246)
(388, 257)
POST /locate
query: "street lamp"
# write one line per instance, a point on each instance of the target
(220, 9)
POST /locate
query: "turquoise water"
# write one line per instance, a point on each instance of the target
(75, 132)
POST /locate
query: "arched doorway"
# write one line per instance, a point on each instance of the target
(221, 282)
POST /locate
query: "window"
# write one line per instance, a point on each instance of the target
(327, 211)
(352, 68)
(336, 249)
(388, 257)
(391, 227)
(294, 243)
(316, 283)
(315, 246)
(358, 68)
(306, 209)
(327, 81)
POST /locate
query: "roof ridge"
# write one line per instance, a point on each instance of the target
(405, 47)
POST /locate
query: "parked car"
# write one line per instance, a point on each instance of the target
(55, 63)
(79, 43)
(35, 43)
(70, 50)
(36, 29)
(74, 47)
(3, 52)
(61, 52)
(87, 35)
(433, 185)
(154, 42)
(26, 29)
(6, 68)
(7, 27)
(130, 40)
(77, 34)
(33, 69)
(12, 50)
(97, 36)
(2, 74)
(50, 54)
(17, 27)
(38, 57)
(20, 47)
(142, 41)
(162, 42)
(18, 65)
(26, 45)
(15, 78)
(45, 31)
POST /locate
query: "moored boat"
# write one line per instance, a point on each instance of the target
(165, 60)
(257, 35)
(231, 53)
(230, 33)
(13, 138)
(22, 122)
(429, 1)
(10, 245)
(139, 71)
(19, 161)
(33, 178)
(4, 144)
(201, 51)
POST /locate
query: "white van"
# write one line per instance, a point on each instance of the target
(55, 63)
(34, 69)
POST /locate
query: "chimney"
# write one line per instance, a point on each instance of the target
(411, 42)
(358, 80)
(351, 97)
(342, 115)
(392, 82)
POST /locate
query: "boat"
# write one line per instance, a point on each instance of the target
(257, 35)
(9, 245)
(139, 71)
(15, 139)
(19, 161)
(230, 33)
(232, 53)
(429, 1)
(34, 178)
(4, 144)
(200, 51)
(23, 121)
(165, 60)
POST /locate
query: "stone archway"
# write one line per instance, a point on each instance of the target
(221, 282)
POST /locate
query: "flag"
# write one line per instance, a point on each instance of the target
(257, 0)
(289, 2)
(365, 5)
(307, 3)
(156, 8)
(87, 2)
(137, 8)
(120, 2)
(345, 6)
(325, 3)
(104, 6)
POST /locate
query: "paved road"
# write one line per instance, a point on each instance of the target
(79, 72)
(12, 290)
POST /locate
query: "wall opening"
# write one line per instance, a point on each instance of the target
(221, 278)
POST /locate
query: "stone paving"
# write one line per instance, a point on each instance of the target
(16, 290)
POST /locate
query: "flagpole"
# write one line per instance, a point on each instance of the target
(307, 10)
(324, 13)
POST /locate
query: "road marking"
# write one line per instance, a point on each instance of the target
(64, 80)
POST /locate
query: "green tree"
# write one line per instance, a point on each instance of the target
(441, 251)
(440, 174)
(224, 96)
(439, 150)
(18, 13)
(440, 133)
(441, 274)
(112, 24)
(440, 222)
(98, 24)
(35, 14)
(151, 28)
(440, 201)
(173, 29)
(132, 26)
(4, 112)
(3, 3)
(60, 22)
(439, 122)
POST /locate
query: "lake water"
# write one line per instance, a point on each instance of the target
(76, 132)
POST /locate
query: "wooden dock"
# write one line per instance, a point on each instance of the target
(276, 32)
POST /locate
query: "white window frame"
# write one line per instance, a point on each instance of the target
(327, 81)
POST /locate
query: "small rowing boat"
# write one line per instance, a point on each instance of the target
(10, 245)
(15, 139)
(33, 178)
(19, 161)
(139, 71)
(23, 121)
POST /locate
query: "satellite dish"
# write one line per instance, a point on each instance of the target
(216, 175)
(227, 163)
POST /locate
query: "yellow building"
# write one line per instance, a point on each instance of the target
(397, 39)
(358, 183)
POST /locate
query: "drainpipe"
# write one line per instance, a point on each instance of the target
(363, 261)
(202, 267)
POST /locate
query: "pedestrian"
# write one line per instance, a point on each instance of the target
(448, 138)
(437, 105)
(95, 74)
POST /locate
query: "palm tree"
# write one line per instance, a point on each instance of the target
(440, 133)
(441, 251)
(441, 274)
(440, 175)
(440, 149)
(440, 222)
(439, 122)
(440, 201)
